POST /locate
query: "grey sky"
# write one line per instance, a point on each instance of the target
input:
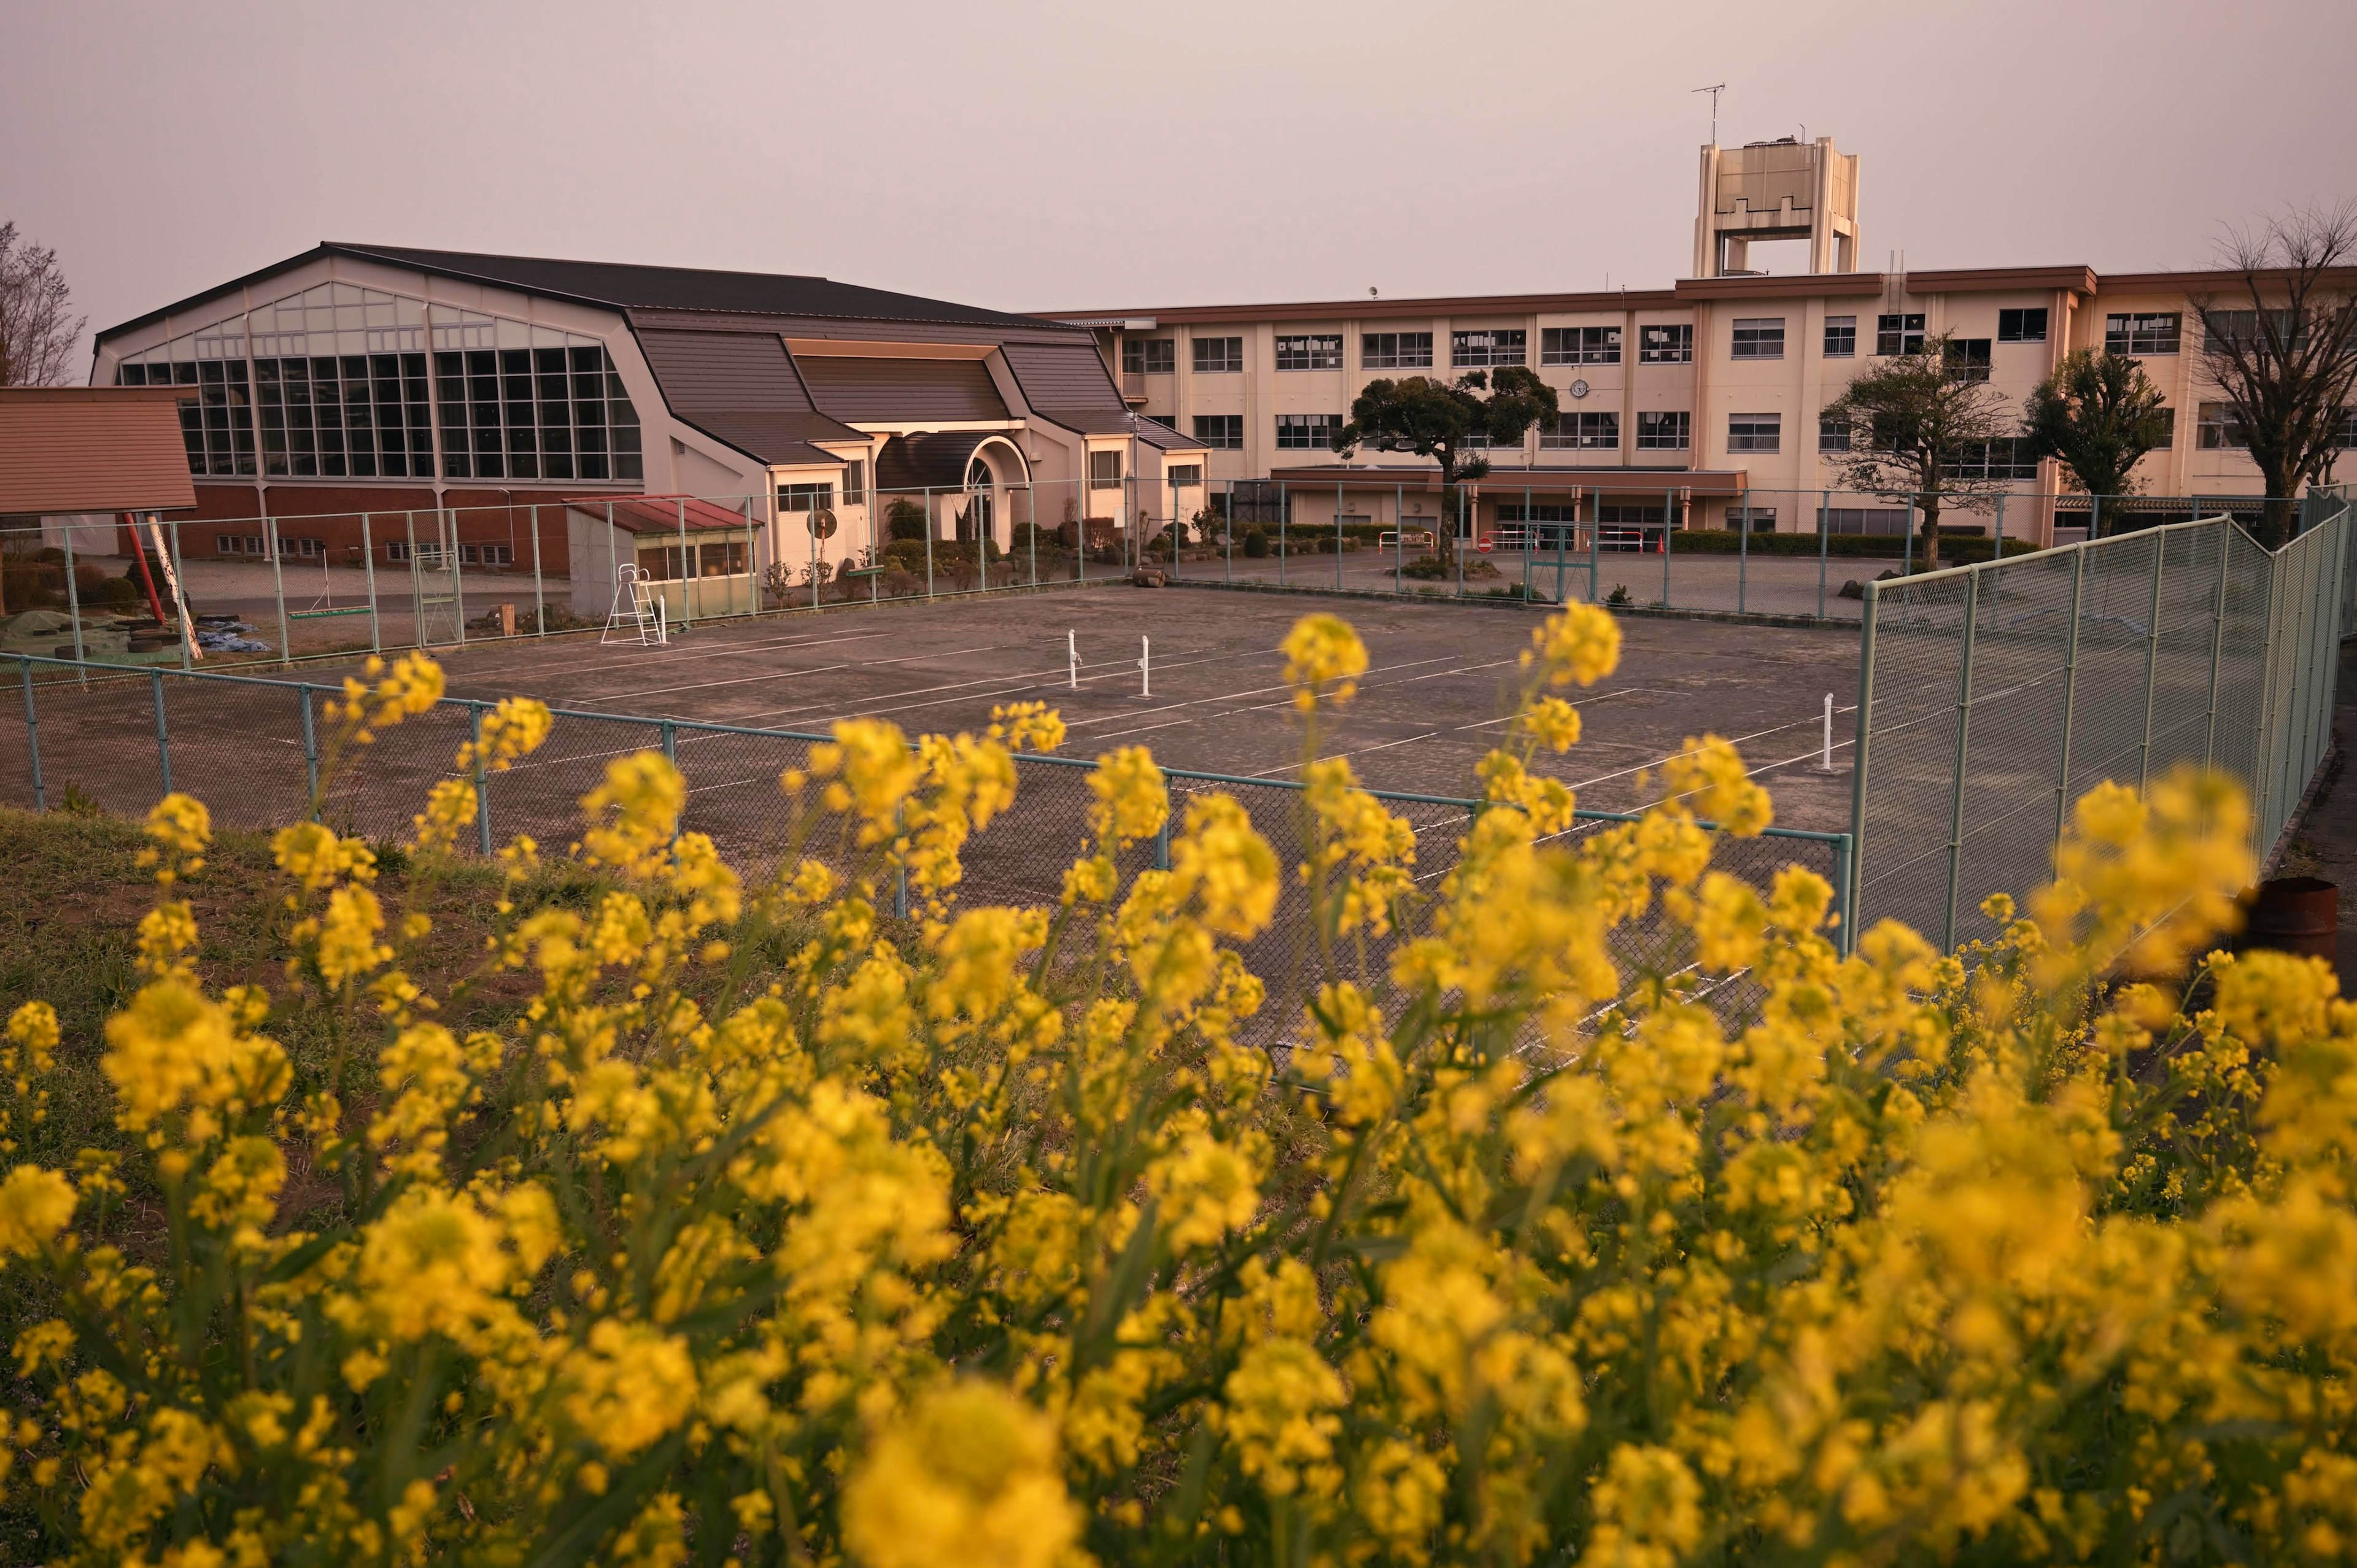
(1037, 155)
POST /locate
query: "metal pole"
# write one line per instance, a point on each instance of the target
(1906, 545)
(416, 584)
(1669, 518)
(2070, 688)
(1595, 536)
(482, 784)
(163, 733)
(457, 572)
(1825, 520)
(180, 598)
(310, 749)
(686, 574)
(1337, 539)
(2262, 760)
(1229, 570)
(1080, 538)
(1458, 540)
(278, 588)
(1284, 514)
(2151, 662)
(1526, 544)
(1031, 505)
(73, 597)
(32, 735)
(1743, 557)
(1857, 762)
(810, 521)
(2094, 516)
(928, 540)
(367, 566)
(1558, 544)
(539, 589)
(1399, 539)
(1956, 784)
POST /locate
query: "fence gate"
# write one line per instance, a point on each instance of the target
(435, 586)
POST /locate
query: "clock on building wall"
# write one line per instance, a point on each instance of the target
(1579, 389)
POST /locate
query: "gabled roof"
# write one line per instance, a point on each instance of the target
(660, 514)
(625, 286)
(71, 449)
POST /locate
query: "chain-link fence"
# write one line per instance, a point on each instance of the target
(1990, 697)
(95, 736)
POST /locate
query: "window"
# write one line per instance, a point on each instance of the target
(1755, 432)
(1841, 337)
(819, 497)
(855, 483)
(1898, 334)
(1833, 434)
(396, 549)
(1307, 432)
(1670, 430)
(2021, 326)
(1583, 432)
(2217, 429)
(1104, 470)
(1220, 432)
(2009, 458)
(1219, 356)
(1968, 358)
(1148, 356)
(1497, 345)
(2231, 330)
(2155, 332)
(1396, 351)
(2168, 441)
(1579, 346)
(1877, 521)
(525, 413)
(1184, 476)
(1665, 343)
(487, 554)
(254, 544)
(1760, 338)
(1312, 351)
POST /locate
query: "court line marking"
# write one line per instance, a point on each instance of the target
(785, 674)
(668, 658)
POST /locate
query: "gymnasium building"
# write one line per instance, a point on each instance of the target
(364, 392)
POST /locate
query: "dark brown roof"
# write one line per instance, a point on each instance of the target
(625, 286)
(903, 391)
(937, 461)
(74, 449)
(742, 388)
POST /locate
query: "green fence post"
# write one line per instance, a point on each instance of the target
(1858, 754)
(1526, 544)
(928, 540)
(1824, 520)
(1957, 782)
(1459, 539)
(1669, 516)
(278, 591)
(1595, 538)
(163, 733)
(1284, 518)
(1906, 545)
(2069, 689)
(310, 750)
(2217, 640)
(2094, 516)
(538, 589)
(1558, 543)
(1743, 557)
(2151, 662)
(1399, 539)
(32, 733)
(687, 595)
(482, 783)
(457, 571)
(181, 607)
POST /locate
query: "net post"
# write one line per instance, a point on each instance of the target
(2151, 662)
(73, 600)
(1957, 782)
(2070, 688)
(163, 732)
(1858, 754)
(32, 733)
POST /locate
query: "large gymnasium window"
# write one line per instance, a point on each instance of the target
(334, 382)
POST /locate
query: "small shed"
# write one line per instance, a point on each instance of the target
(81, 457)
(702, 557)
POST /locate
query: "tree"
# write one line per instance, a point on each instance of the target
(2100, 413)
(2280, 347)
(1439, 420)
(1915, 428)
(37, 336)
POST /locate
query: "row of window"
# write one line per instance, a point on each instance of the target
(555, 413)
(1666, 430)
(398, 551)
(1665, 343)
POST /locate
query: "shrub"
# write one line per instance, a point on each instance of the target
(904, 519)
(985, 1237)
(1256, 543)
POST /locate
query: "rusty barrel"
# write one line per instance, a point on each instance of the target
(2296, 915)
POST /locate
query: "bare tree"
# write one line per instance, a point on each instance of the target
(1919, 427)
(37, 336)
(2280, 347)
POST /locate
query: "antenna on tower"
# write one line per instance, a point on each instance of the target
(1714, 92)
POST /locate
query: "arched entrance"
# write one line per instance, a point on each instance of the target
(995, 467)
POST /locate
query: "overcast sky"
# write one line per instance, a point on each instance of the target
(1031, 155)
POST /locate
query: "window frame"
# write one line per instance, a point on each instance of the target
(1400, 355)
(1310, 351)
(1673, 430)
(2139, 334)
(1579, 345)
(1675, 347)
(1767, 426)
(1324, 425)
(1504, 346)
(2013, 323)
(1968, 358)
(1138, 358)
(1848, 326)
(1900, 332)
(1762, 336)
(1106, 468)
(1229, 437)
(1225, 356)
